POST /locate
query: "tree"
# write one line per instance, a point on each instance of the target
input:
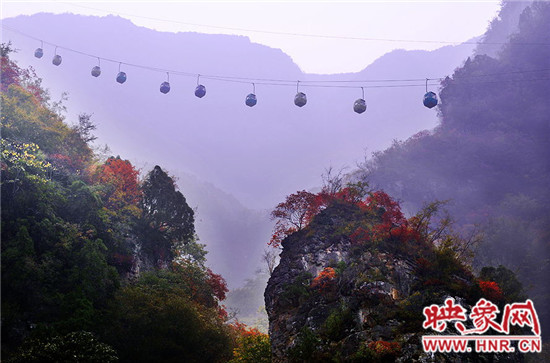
(157, 319)
(506, 280)
(122, 177)
(85, 127)
(11, 73)
(271, 259)
(293, 214)
(252, 345)
(165, 209)
(298, 210)
(167, 221)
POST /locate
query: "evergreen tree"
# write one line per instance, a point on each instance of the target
(167, 221)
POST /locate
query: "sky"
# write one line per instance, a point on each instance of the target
(344, 36)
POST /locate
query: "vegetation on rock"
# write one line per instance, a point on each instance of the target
(352, 283)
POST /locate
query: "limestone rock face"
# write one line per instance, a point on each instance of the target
(329, 298)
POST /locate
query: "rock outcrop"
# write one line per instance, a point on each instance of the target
(332, 299)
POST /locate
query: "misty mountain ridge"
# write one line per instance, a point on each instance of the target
(260, 154)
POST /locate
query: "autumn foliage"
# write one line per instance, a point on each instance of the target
(325, 279)
(217, 284)
(251, 345)
(298, 210)
(491, 290)
(12, 74)
(122, 180)
(383, 348)
(294, 214)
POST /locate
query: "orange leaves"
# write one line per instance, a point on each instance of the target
(280, 231)
(244, 330)
(325, 279)
(348, 194)
(383, 348)
(122, 179)
(491, 290)
(251, 345)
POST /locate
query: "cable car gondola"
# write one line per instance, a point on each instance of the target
(360, 105)
(165, 86)
(96, 71)
(251, 99)
(38, 53)
(56, 58)
(121, 76)
(200, 91)
(430, 98)
(300, 99)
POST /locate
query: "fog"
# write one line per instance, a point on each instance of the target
(228, 157)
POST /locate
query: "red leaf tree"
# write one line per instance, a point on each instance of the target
(490, 290)
(294, 214)
(121, 179)
(217, 284)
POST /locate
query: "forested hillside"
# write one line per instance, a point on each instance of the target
(99, 263)
(489, 155)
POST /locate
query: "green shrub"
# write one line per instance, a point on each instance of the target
(306, 346)
(337, 322)
(78, 346)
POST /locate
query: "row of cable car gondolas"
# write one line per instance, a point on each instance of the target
(300, 100)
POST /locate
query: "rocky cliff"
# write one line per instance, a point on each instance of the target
(342, 295)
